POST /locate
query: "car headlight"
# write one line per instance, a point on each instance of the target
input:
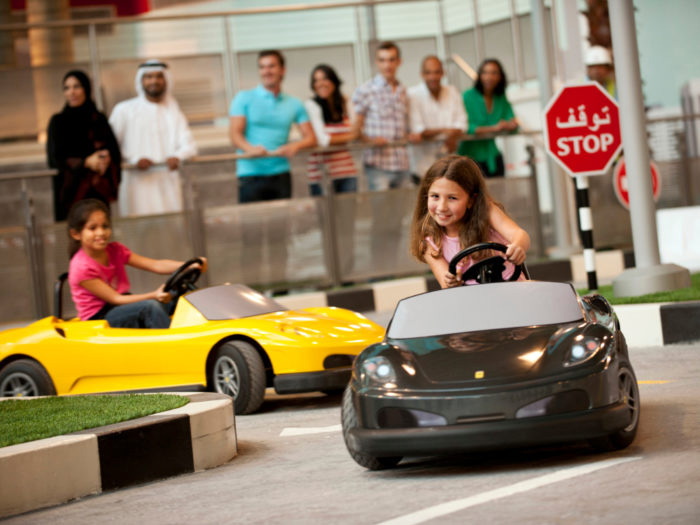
(582, 349)
(377, 370)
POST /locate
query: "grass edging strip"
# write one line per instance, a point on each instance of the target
(23, 420)
(692, 293)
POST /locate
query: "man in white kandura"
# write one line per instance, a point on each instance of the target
(153, 134)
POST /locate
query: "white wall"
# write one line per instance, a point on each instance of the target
(667, 33)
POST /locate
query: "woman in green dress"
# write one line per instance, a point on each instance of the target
(489, 112)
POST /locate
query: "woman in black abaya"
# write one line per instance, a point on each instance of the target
(82, 147)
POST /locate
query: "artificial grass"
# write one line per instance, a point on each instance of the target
(24, 420)
(684, 294)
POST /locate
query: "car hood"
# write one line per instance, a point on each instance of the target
(342, 325)
(487, 356)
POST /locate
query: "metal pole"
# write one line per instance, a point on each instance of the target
(34, 253)
(194, 217)
(443, 46)
(554, 27)
(361, 52)
(95, 66)
(517, 49)
(560, 209)
(478, 37)
(532, 163)
(649, 276)
(371, 40)
(231, 84)
(331, 230)
(585, 224)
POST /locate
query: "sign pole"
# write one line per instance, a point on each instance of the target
(649, 276)
(585, 224)
(582, 133)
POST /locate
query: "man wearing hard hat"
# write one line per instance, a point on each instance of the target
(599, 67)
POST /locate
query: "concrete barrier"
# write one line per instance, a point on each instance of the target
(197, 436)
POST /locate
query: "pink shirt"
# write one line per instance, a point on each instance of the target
(451, 247)
(83, 268)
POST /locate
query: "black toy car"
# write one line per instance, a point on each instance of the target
(494, 365)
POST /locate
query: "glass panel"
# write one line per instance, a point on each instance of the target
(266, 244)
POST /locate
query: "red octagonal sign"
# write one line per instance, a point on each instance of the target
(582, 129)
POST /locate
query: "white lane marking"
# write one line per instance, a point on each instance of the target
(297, 431)
(523, 486)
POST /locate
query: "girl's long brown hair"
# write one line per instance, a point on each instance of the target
(475, 225)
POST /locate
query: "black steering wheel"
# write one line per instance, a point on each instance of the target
(182, 280)
(488, 270)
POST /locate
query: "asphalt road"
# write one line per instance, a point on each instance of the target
(293, 468)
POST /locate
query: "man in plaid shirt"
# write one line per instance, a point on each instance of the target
(381, 108)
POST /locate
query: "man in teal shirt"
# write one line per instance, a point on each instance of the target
(488, 112)
(261, 119)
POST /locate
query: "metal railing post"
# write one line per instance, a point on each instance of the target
(194, 218)
(686, 182)
(34, 253)
(332, 227)
(538, 234)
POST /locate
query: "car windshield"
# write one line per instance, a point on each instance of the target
(231, 301)
(485, 307)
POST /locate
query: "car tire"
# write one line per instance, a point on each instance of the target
(629, 393)
(238, 372)
(25, 378)
(349, 420)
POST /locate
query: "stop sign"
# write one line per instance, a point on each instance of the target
(582, 129)
(619, 180)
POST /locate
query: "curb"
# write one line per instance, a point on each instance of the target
(652, 324)
(197, 436)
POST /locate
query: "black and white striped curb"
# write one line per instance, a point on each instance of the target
(197, 436)
(643, 324)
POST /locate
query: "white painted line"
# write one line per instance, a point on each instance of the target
(443, 509)
(297, 431)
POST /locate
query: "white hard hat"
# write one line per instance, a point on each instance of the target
(598, 55)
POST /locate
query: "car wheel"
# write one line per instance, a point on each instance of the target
(349, 420)
(629, 393)
(238, 372)
(24, 378)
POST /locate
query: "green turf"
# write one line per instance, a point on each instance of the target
(24, 420)
(684, 294)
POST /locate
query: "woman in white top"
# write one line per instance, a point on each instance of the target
(330, 117)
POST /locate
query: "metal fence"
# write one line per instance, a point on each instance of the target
(305, 241)
(302, 242)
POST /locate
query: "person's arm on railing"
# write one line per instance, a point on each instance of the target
(236, 132)
(308, 140)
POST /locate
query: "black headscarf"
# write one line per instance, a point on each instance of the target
(73, 135)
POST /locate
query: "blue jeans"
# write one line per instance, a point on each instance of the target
(143, 314)
(342, 185)
(255, 188)
(379, 179)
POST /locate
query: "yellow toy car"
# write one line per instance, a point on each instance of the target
(227, 338)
